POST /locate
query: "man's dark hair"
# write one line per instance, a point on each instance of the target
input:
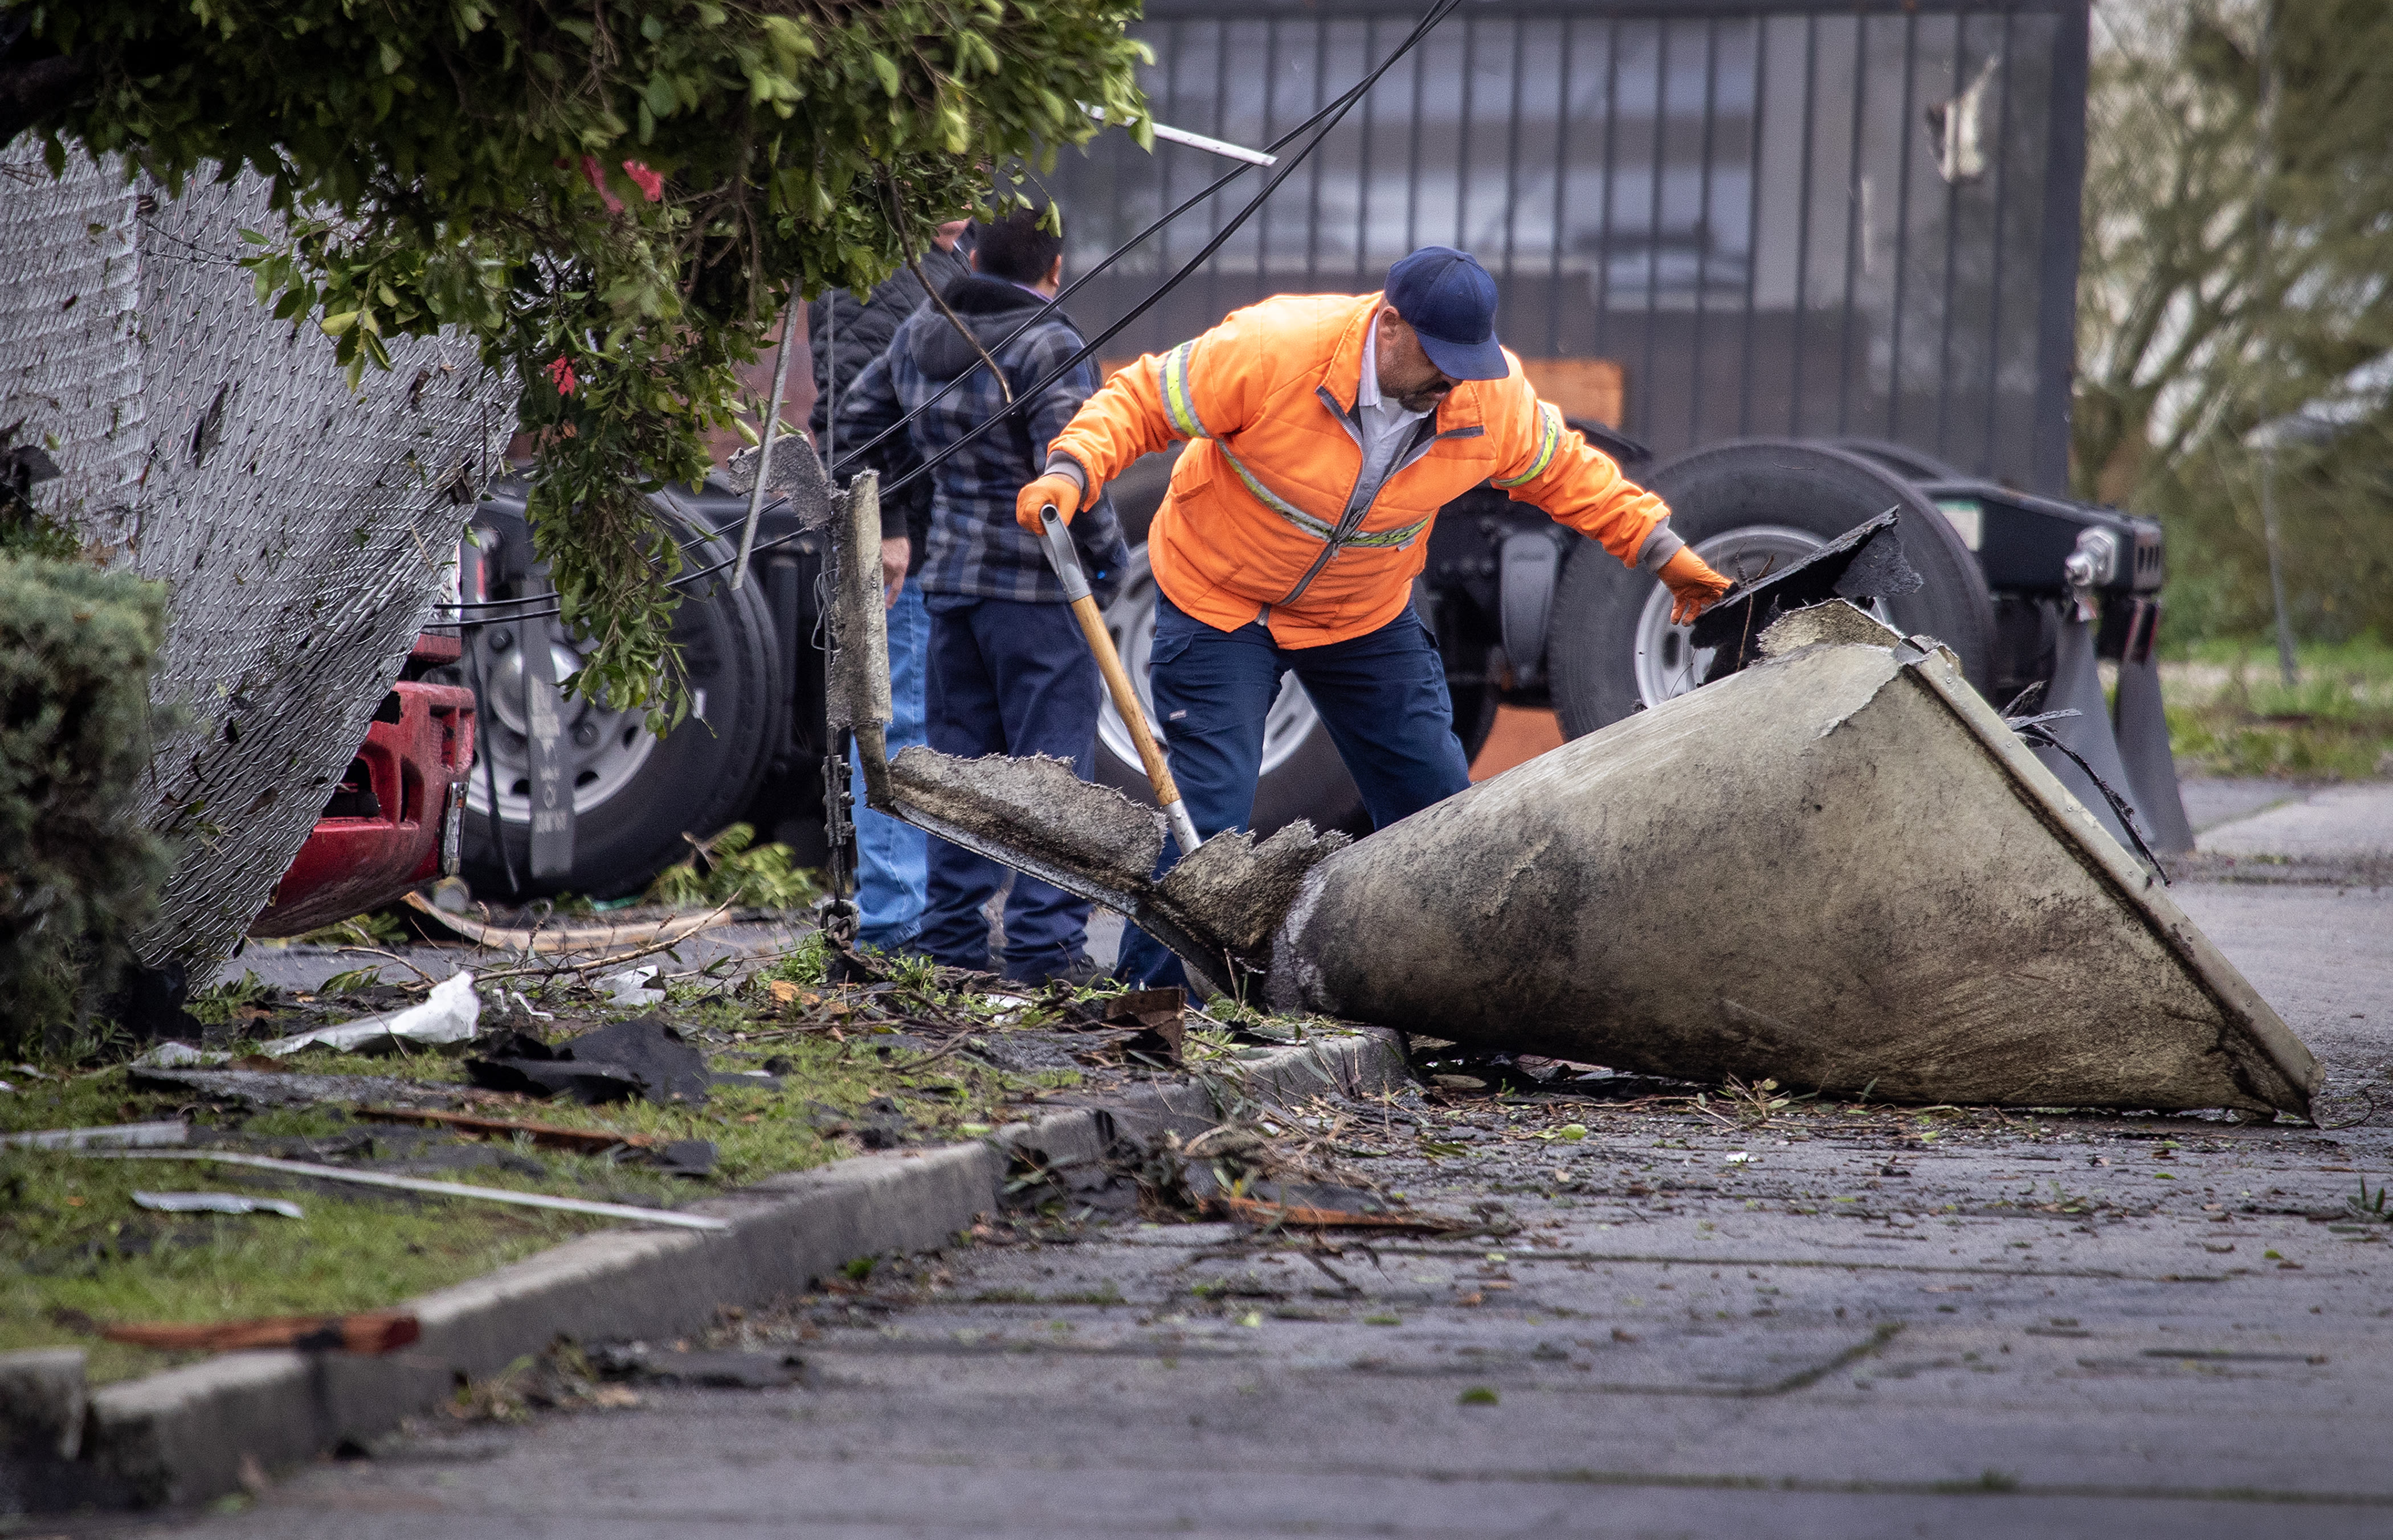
(1018, 246)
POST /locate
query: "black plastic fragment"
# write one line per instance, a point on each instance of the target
(1865, 563)
(615, 1062)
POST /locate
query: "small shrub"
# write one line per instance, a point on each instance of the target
(78, 874)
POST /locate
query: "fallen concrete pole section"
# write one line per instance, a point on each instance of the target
(1839, 868)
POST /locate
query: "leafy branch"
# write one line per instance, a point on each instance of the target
(614, 198)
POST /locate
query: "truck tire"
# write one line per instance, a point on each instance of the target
(638, 797)
(1745, 506)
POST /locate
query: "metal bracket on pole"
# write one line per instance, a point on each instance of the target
(1198, 142)
(765, 455)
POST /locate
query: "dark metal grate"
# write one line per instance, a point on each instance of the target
(1746, 207)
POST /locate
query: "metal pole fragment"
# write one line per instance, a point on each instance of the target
(765, 453)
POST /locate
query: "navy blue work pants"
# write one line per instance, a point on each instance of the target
(1382, 696)
(1006, 678)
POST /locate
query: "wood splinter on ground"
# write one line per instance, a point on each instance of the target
(592, 937)
(366, 1332)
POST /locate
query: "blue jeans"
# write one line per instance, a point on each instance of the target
(1007, 678)
(1381, 696)
(892, 864)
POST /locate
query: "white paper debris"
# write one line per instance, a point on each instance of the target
(216, 1203)
(630, 986)
(447, 1016)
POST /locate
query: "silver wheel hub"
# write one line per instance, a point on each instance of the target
(1668, 662)
(607, 747)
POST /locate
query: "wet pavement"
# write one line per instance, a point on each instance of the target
(1725, 1319)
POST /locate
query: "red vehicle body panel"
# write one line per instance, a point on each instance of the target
(413, 764)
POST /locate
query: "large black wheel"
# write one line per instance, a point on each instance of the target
(636, 795)
(1748, 508)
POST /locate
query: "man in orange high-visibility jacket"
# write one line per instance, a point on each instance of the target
(1328, 431)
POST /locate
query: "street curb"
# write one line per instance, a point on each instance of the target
(188, 1434)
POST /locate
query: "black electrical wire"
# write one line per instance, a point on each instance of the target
(1334, 115)
(1050, 306)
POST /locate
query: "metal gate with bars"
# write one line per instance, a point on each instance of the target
(1708, 220)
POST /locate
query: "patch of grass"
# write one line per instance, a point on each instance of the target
(2230, 713)
(75, 1251)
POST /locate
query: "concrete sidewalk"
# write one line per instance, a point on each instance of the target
(1890, 1322)
(2248, 830)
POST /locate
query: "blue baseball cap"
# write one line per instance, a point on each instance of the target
(1446, 297)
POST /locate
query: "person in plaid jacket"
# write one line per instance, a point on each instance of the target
(1010, 673)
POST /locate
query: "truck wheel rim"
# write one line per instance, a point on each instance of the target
(1667, 662)
(608, 746)
(1132, 619)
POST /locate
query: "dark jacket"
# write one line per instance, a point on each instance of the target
(865, 327)
(975, 547)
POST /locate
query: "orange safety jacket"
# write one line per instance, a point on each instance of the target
(1265, 517)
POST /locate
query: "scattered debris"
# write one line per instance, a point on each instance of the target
(447, 1016)
(615, 1062)
(684, 1157)
(565, 938)
(120, 1136)
(1307, 1216)
(436, 1189)
(366, 1332)
(1149, 1023)
(216, 1203)
(632, 988)
(718, 1369)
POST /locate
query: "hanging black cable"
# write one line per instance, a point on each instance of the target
(1337, 108)
(1155, 296)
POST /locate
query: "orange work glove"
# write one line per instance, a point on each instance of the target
(1054, 488)
(1694, 587)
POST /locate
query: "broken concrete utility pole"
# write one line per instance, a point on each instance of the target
(1837, 868)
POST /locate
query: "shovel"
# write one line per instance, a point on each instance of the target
(1057, 542)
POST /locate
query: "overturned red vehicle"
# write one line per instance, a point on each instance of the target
(395, 819)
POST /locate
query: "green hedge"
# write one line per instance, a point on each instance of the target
(78, 874)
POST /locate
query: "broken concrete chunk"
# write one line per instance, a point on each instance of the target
(1234, 890)
(797, 475)
(1837, 621)
(1037, 806)
(1837, 869)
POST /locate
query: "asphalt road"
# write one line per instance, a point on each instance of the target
(1838, 1323)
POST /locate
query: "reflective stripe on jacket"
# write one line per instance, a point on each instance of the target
(1266, 516)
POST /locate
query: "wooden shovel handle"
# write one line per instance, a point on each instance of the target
(1109, 663)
